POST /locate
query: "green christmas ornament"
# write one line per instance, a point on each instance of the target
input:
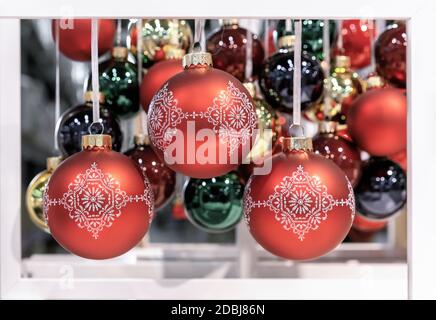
(214, 205)
(119, 84)
(312, 31)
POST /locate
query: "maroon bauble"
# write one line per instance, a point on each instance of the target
(341, 151)
(367, 225)
(75, 43)
(97, 203)
(304, 208)
(390, 55)
(162, 179)
(377, 121)
(155, 78)
(228, 49)
(202, 121)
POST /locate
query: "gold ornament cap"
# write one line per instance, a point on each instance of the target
(52, 163)
(251, 88)
(197, 58)
(297, 143)
(88, 96)
(375, 81)
(141, 139)
(328, 126)
(172, 52)
(120, 53)
(230, 22)
(342, 61)
(96, 140)
(286, 41)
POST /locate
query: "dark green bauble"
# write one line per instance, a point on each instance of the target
(119, 84)
(215, 204)
(312, 35)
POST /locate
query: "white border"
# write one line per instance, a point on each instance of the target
(421, 155)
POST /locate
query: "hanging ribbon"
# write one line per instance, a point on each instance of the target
(327, 65)
(340, 41)
(94, 72)
(199, 33)
(119, 32)
(372, 25)
(288, 25)
(296, 115)
(57, 85)
(143, 115)
(266, 37)
(249, 56)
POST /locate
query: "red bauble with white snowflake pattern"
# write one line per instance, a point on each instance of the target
(97, 203)
(304, 208)
(202, 121)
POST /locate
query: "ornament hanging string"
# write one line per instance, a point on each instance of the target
(288, 25)
(266, 37)
(143, 115)
(340, 42)
(57, 85)
(296, 115)
(119, 31)
(249, 56)
(94, 75)
(198, 36)
(372, 24)
(327, 64)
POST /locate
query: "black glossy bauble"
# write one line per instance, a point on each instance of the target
(381, 191)
(74, 123)
(277, 76)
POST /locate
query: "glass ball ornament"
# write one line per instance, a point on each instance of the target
(228, 48)
(338, 149)
(390, 55)
(202, 121)
(35, 194)
(214, 205)
(312, 35)
(363, 224)
(119, 84)
(161, 178)
(303, 208)
(75, 37)
(277, 74)
(97, 203)
(381, 191)
(75, 122)
(158, 37)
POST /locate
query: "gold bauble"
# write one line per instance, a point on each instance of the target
(35, 194)
(160, 37)
(267, 120)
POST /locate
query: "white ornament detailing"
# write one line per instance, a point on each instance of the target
(232, 115)
(300, 202)
(94, 200)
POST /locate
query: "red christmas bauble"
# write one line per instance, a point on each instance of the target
(304, 208)
(228, 48)
(75, 37)
(357, 36)
(400, 158)
(98, 205)
(341, 151)
(202, 121)
(390, 55)
(161, 178)
(377, 121)
(155, 78)
(367, 225)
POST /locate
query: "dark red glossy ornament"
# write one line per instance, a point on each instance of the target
(202, 121)
(341, 151)
(390, 55)
(357, 37)
(156, 77)
(97, 203)
(377, 121)
(161, 178)
(304, 208)
(228, 49)
(367, 225)
(401, 159)
(75, 37)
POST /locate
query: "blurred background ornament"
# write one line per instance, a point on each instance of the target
(158, 74)
(161, 178)
(377, 121)
(357, 38)
(367, 225)
(400, 158)
(75, 37)
(160, 36)
(312, 35)
(341, 151)
(35, 193)
(390, 54)
(119, 84)
(381, 191)
(276, 77)
(374, 81)
(228, 48)
(75, 122)
(215, 204)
